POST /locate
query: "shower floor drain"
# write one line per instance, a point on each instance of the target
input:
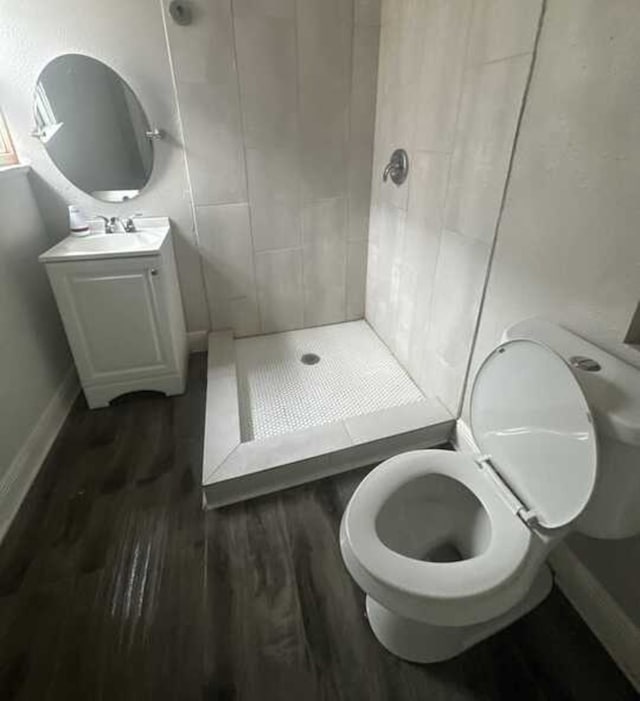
(310, 359)
(280, 394)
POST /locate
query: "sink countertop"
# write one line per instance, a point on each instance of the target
(147, 241)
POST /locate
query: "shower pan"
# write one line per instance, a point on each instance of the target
(295, 406)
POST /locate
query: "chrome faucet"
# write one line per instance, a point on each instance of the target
(129, 223)
(109, 224)
(397, 168)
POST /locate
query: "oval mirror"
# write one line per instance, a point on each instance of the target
(93, 127)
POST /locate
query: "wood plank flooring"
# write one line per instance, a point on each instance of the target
(115, 585)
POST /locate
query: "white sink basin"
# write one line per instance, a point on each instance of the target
(146, 241)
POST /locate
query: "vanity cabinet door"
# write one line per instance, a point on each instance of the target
(116, 316)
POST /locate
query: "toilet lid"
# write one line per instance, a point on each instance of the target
(528, 413)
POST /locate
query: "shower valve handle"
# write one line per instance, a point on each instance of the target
(397, 168)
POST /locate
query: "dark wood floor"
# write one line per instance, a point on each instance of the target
(115, 585)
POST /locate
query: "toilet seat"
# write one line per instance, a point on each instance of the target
(452, 593)
(528, 413)
(532, 422)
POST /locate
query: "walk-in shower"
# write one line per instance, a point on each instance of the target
(274, 420)
(345, 264)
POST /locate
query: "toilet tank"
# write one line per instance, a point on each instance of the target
(612, 389)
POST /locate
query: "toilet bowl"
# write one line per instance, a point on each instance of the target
(451, 547)
(439, 554)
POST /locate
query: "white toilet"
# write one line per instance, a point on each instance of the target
(451, 547)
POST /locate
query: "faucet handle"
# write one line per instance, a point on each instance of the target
(397, 168)
(129, 223)
(108, 223)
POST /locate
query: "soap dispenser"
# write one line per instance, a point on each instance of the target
(78, 223)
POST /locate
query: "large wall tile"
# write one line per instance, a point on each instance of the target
(279, 9)
(205, 73)
(443, 380)
(324, 221)
(502, 28)
(367, 12)
(205, 52)
(361, 129)
(364, 75)
(441, 71)
(429, 240)
(324, 56)
(325, 29)
(413, 26)
(213, 135)
(274, 197)
(385, 268)
(399, 10)
(324, 127)
(325, 258)
(458, 285)
(390, 38)
(280, 290)
(427, 198)
(421, 242)
(189, 265)
(239, 314)
(227, 254)
(225, 238)
(278, 101)
(486, 129)
(325, 283)
(359, 193)
(427, 193)
(407, 302)
(266, 49)
(356, 278)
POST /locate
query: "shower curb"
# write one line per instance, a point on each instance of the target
(235, 471)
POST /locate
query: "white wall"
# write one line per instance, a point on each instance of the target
(568, 246)
(450, 85)
(34, 355)
(277, 101)
(129, 37)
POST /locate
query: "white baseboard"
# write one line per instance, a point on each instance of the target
(600, 611)
(16, 481)
(197, 341)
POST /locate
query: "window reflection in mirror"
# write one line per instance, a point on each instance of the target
(8, 155)
(93, 127)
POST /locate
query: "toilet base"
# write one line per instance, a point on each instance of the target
(415, 641)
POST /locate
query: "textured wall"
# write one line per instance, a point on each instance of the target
(130, 38)
(568, 247)
(277, 102)
(450, 85)
(34, 356)
(277, 106)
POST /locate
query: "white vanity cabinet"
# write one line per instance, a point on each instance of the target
(119, 299)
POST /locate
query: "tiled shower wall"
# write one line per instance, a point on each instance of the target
(451, 82)
(277, 100)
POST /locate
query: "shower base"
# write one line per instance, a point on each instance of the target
(292, 407)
